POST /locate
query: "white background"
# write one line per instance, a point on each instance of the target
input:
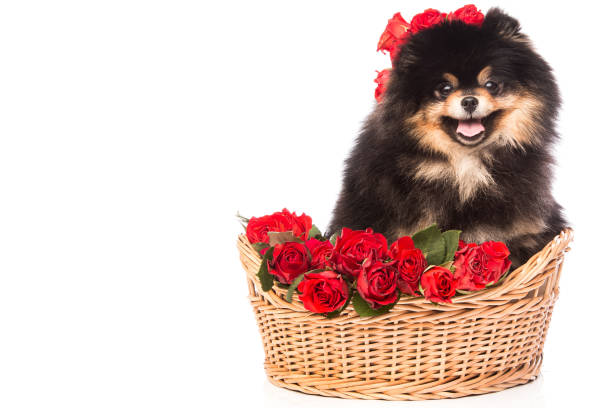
(131, 133)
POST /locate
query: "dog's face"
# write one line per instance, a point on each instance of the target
(461, 87)
(473, 109)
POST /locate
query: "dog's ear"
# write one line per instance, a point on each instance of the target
(502, 24)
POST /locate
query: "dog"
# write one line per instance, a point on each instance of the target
(462, 138)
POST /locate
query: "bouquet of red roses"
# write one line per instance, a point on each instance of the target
(359, 266)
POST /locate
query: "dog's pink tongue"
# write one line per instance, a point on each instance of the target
(470, 127)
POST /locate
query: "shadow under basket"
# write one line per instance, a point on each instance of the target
(483, 342)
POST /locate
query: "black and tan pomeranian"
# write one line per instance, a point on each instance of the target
(462, 138)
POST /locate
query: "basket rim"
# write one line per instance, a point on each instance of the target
(526, 278)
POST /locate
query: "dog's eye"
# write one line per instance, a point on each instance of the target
(444, 89)
(492, 87)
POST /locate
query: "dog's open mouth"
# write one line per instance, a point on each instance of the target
(470, 128)
(469, 131)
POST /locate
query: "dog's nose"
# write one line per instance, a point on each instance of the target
(469, 103)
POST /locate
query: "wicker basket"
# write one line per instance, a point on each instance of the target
(483, 342)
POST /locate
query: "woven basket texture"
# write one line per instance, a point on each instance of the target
(483, 342)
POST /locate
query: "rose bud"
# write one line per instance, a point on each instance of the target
(410, 265)
(438, 285)
(377, 283)
(321, 252)
(289, 260)
(323, 292)
(353, 247)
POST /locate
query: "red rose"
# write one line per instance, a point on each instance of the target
(258, 227)
(496, 250)
(468, 14)
(410, 265)
(353, 247)
(377, 283)
(397, 28)
(470, 268)
(381, 80)
(321, 252)
(402, 244)
(426, 19)
(323, 292)
(438, 285)
(497, 254)
(289, 260)
(396, 33)
(300, 225)
(478, 265)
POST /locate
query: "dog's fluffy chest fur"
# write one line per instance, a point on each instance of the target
(466, 172)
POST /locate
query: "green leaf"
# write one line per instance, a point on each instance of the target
(265, 278)
(259, 246)
(451, 241)
(282, 237)
(314, 232)
(363, 308)
(431, 242)
(243, 220)
(448, 265)
(316, 271)
(293, 287)
(336, 313)
(333, 238)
